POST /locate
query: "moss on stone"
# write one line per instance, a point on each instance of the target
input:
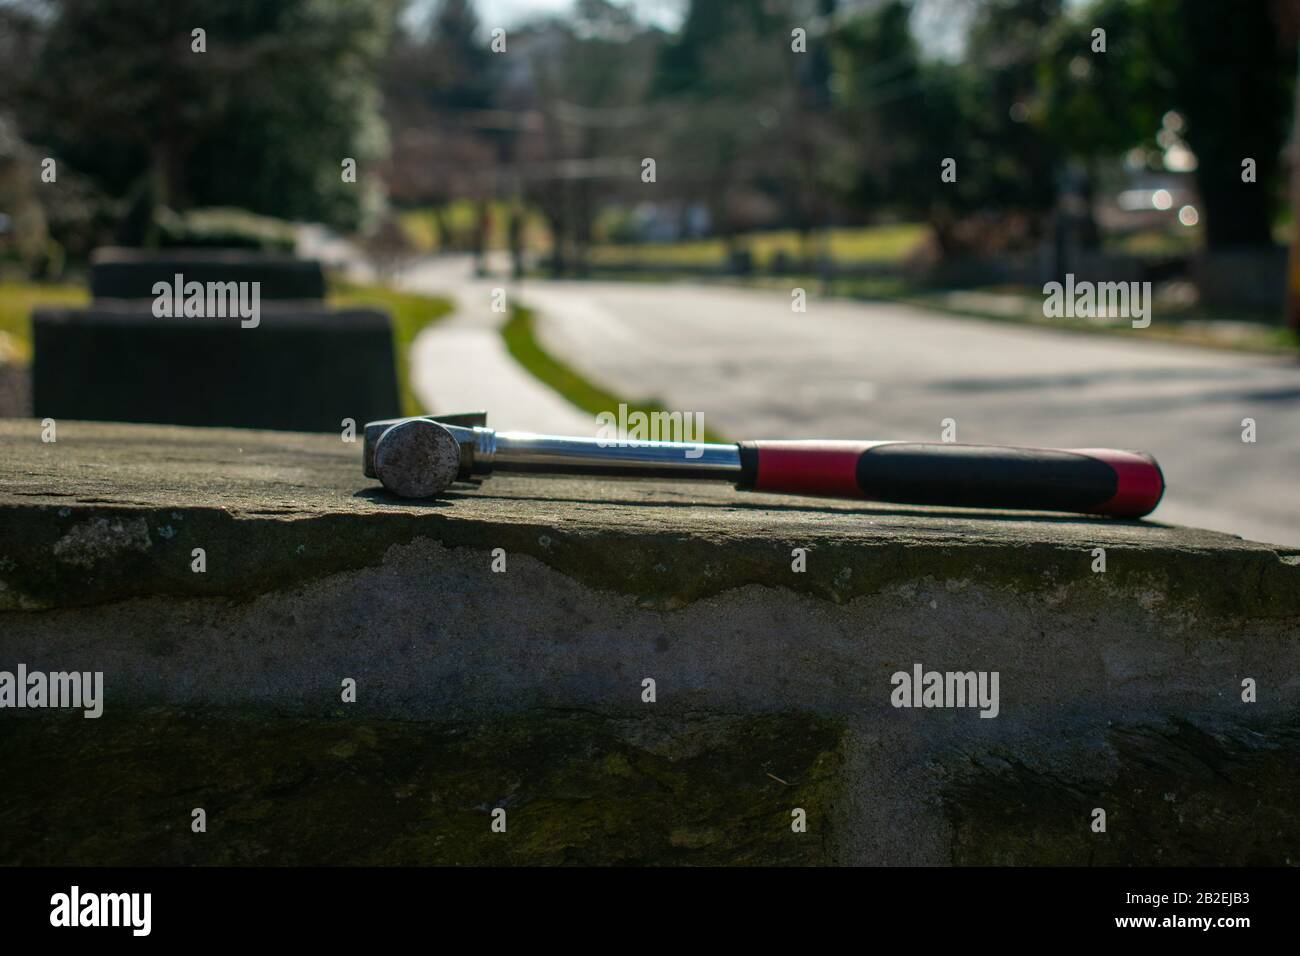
(577, 788)
(1180, 795)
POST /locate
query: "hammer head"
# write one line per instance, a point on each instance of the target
(372, 431)
(416, 458)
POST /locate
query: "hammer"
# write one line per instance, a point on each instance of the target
(422, 457)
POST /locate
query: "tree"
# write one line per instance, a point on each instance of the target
(442, 91)
(913, 114)
(460, 65)
(1010, 167)
(904, 111)
(586, 84)
(285, 90)
(727, 98)
(1227, 69)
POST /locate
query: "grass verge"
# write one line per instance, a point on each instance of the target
(521, 342)
(851, 245)
(1185, 324)
(17, 299)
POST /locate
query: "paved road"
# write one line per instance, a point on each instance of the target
(853, 370)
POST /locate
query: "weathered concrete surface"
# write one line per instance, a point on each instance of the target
(1119, 690)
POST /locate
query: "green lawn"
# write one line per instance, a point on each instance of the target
(866, 244)
(461, 217)
(17, 299)
(1240, 330)
(521, 342)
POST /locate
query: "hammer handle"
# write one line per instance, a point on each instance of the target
(1104, 481)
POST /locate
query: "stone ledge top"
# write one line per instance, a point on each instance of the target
(133, 255)
(311, 314)
(111, 511)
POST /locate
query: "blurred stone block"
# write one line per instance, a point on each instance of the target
(118, 273)
(301, 368)
(1245, 278)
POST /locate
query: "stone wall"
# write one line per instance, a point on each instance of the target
(524, 689)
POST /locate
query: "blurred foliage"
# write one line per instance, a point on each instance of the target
(1230, 76)
(117, 91)
(1155, 243)
(1213, 76)
(451, 228)
(224, 228)
(748, 136)
(439, 83)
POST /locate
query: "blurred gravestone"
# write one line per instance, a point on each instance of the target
(298, 365)
(131, 273)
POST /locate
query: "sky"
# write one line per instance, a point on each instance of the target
(666, 14)
(939, 24)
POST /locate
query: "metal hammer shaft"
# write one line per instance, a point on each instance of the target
(525, 451)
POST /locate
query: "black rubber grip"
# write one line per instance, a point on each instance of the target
(985, 476)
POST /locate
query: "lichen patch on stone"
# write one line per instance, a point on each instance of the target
(90, 542)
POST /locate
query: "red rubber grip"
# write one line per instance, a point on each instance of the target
(1141, 484)
(1102, 481)
(824, 468)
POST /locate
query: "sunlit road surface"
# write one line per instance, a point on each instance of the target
(865, 370)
